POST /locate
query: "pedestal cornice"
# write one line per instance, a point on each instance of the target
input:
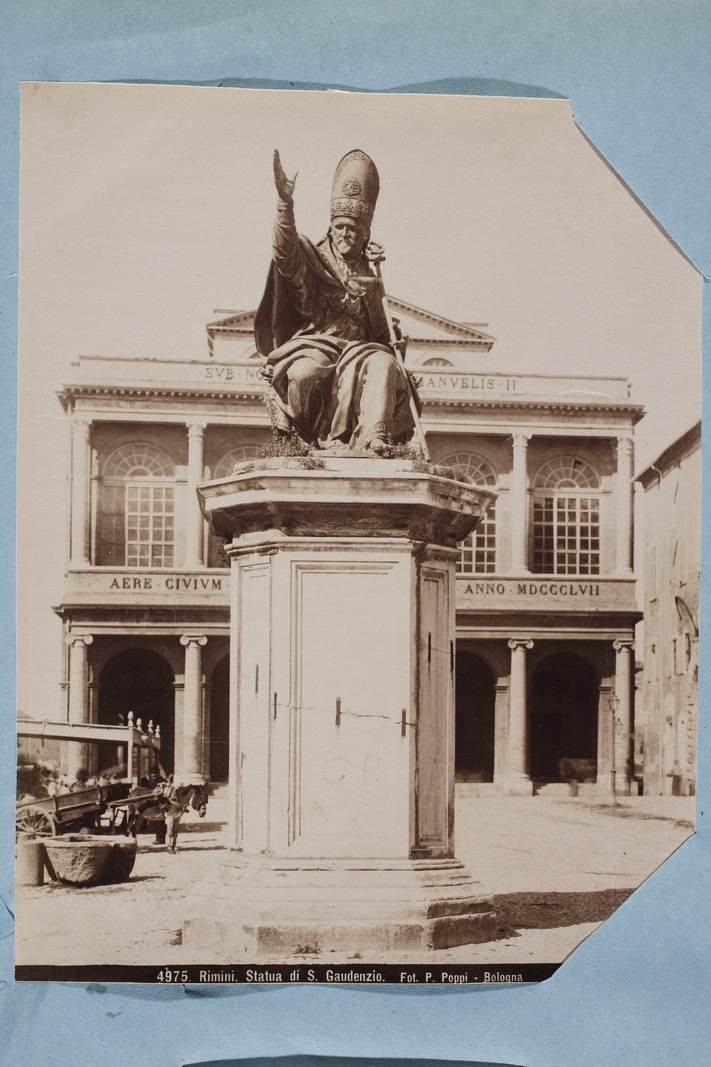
(344, 496)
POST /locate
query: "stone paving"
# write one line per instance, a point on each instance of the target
(557, 868)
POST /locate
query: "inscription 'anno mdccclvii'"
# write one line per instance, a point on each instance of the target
(533, 588)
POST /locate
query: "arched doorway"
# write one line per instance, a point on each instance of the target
(140, 681)
(563, 716)
(220, 722)
(474, 736)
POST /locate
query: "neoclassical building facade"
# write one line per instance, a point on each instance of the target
(546, 604)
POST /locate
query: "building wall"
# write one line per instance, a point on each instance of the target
(669, 697)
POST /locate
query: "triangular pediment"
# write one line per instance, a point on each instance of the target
(235, 320)
(417, 323)
(420, 324)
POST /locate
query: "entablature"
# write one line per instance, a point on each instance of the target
(145, 594)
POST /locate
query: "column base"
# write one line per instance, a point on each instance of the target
(265, 907)
(189, 779)
(515, 786)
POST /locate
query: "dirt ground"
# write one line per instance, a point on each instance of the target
(557, 868)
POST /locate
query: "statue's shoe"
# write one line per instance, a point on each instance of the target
(378, 446)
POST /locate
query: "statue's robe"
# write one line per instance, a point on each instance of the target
(335, 376)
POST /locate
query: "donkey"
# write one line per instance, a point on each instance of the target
(167, 804)
(184, 796)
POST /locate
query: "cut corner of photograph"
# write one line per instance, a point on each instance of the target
(370, 623)
(343, 1061)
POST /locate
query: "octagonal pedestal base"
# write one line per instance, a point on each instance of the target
(261, 908)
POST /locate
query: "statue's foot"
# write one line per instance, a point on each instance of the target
(334, 444)
(378, 446)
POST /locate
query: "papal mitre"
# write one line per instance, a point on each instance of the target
(356, 185)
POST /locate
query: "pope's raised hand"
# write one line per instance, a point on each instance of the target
(375, 253)
(284, 185)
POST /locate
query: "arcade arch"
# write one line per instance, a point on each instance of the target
(142, 681)
(474, 729)
(563, 708)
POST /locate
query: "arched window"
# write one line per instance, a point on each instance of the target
(224, 465)
(223, 468)
(566, 518)
(136, 526)
(479, 549)
(437, 361)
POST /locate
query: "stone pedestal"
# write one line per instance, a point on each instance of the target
(342, 711)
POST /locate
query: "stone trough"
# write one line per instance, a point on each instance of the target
(91, 860)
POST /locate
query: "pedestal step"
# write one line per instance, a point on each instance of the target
(265, 908)
(478, 789)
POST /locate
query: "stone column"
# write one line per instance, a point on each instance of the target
(64, 687)
(623, 492)
(518, 781)
(501, 730)
(205, 731)
(194, 521)
(78, 697)
(177, 739)
(624, 674)
(80, 523)
(604, 747)
(192, 709)
(519, 504)
(92, 763)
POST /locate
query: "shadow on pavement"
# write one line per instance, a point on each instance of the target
(203, 827)
(544, 911)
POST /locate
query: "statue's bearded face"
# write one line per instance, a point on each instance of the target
(348, 236)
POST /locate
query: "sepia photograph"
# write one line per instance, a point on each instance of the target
(360, 643)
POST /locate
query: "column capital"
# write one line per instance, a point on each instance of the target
(193, 639)
(78, 639)
(626, 444)
(520, 642)
(81, 425)
(520, 440)
(196, 429)
(623, 645)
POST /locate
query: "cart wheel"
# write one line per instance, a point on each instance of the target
(36, 822)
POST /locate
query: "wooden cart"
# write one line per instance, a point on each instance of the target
(67, 812)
